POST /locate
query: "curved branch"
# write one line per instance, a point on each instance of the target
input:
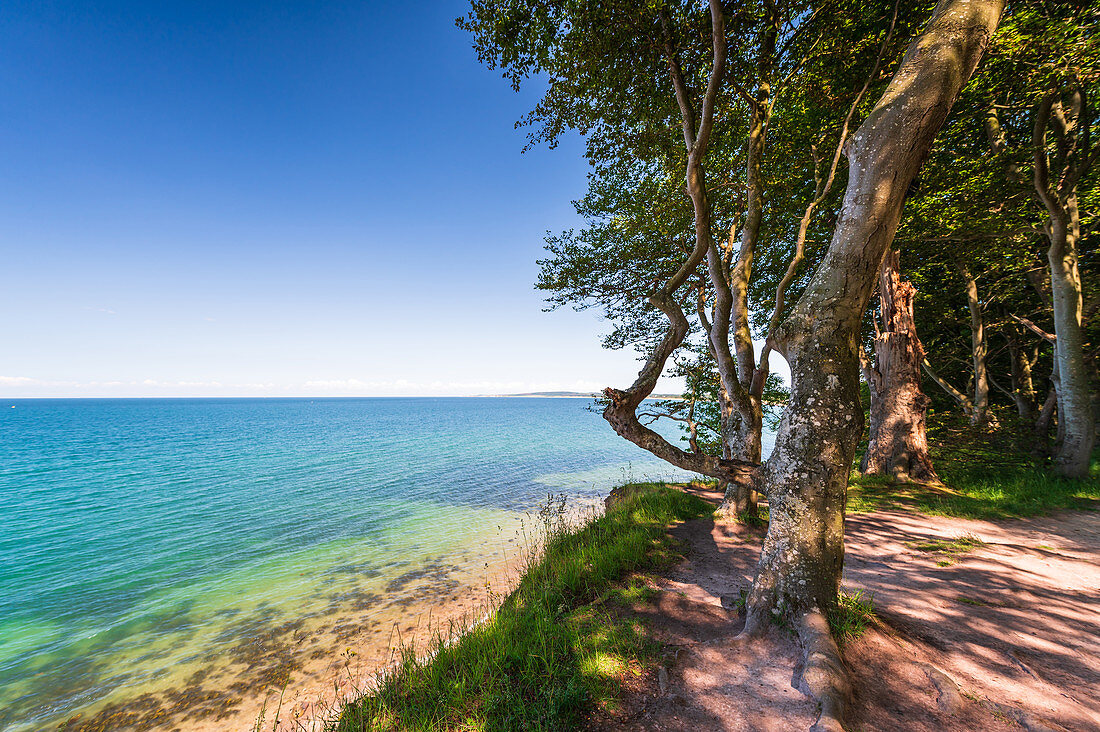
(1042, 162)
(621, 410)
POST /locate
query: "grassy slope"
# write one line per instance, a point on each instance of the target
(560, 643)
(555, 646)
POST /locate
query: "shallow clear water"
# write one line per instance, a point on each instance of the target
(133, 531)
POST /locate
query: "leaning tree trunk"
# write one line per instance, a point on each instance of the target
(898, 444)
(806, 477)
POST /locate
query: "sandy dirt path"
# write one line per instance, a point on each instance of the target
(1002, 636)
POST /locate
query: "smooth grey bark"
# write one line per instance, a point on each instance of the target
(806, 476)
(1075, 416)
(1076, 421)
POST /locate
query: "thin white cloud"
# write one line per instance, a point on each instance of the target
(19, 381)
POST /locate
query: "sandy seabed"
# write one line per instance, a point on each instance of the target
(274, 672)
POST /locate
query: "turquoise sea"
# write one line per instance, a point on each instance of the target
(146, 538)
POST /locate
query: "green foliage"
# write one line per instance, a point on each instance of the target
(975, 202)
(555, 646)
(606, 68)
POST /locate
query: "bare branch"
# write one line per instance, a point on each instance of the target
(1049, 337)
(962, 399)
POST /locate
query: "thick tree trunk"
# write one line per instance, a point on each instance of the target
(743, 431)
(898, 444)
(1058, 192)
(1075, 416)
(806, 477)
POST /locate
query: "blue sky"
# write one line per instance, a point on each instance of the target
(274, 198)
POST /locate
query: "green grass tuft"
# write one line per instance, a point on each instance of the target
(949, 548)
(556, 646)
(853, 614)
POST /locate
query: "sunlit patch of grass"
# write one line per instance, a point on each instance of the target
(853, 614)
(949, 548)
(557, 646)
(603, 666)
(985, 474)
(957, 545)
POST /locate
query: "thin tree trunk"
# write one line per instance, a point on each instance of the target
(898, 444)
(1023, 386)
(1046, 414)
(979, 349)
(806, 477)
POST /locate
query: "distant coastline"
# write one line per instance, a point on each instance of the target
(569, 395)
(8, 400)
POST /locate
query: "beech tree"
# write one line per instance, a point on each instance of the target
(813, 66)
(806, 476)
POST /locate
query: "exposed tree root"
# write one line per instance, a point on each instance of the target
(824, 675)
(948, 697)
